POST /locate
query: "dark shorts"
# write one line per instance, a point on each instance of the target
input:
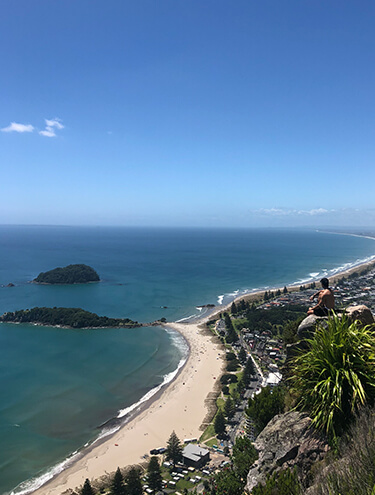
(322, 311)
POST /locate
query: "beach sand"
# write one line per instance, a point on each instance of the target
(181, 406)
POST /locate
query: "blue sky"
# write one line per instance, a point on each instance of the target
(187, 112)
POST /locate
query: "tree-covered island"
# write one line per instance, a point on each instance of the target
(71, 274)
(66, 317)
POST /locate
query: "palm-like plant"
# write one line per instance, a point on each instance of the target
(336, 375)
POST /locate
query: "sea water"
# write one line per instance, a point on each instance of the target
(60, 388)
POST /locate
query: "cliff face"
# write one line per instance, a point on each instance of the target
(287, 441)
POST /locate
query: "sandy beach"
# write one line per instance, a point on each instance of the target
(180, 407)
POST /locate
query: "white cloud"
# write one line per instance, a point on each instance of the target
(48, 132)
(291, 212)
(51, 126)
(314, 211)
(14, 127)
(54, 123)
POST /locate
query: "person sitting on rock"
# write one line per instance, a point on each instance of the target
(326, 300)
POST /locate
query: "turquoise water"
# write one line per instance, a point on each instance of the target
(58, 386)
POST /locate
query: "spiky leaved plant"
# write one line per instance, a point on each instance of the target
(336, 375)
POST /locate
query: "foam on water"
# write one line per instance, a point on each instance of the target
(220, 299)
(33, 484)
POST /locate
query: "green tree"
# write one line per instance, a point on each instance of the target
(236, 396)
(232, 365)
(243, 456)
(87, 488)
(230, 356)
(231, 332)
(285, 290)
(233, 308)
(227, 483)
(133, 482)
(289, 333)
(229, 408)
(242, 356)
(240, 387)
(117, 485)
(248, 372)
(335, 377)
(228, 378)
(265, 405)
(280, 483)
(225, 390)
(154, 479)
(242, 306)
(174, 449)
(219, 423)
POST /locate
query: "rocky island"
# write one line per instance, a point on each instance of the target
(71, 274)
(66, 317)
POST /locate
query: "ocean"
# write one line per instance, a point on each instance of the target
(61, 389)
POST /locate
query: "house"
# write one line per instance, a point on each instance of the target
(195, 456)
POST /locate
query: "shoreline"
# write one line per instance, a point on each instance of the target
(166, 410)
(179, 406)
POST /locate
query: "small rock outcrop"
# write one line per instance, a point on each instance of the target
(287, 441)
(361, 313)
(308, 326)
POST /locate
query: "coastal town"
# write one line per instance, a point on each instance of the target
(262, 351)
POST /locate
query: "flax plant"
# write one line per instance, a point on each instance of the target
(335, 376)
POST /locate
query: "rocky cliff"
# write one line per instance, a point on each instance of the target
(287, 441)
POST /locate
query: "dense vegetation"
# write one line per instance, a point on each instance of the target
(265, 405)
(335, 377)
(281, 483)
(280, 321)
(67, 317)
(232, 480)
(71, 274)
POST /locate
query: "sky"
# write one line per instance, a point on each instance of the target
(207, 113)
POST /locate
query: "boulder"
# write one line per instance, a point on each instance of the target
(360, 313)
(287, 441)
(305, 331)
(307, 326)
